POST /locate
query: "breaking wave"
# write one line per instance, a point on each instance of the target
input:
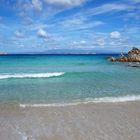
(87, 101)
(31, 75)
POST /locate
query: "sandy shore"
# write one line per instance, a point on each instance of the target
(96, 121)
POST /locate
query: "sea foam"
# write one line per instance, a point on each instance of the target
(31, 75)
(87, 101)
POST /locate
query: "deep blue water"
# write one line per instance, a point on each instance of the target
(64, 78)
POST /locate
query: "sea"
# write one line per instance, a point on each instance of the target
(57, 80)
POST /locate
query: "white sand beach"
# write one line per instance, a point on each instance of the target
(93, 121)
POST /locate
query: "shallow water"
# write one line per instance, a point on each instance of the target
(46, 79)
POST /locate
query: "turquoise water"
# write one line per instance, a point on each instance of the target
(64, 78)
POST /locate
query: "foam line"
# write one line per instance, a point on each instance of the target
(87, 100)
(31, 75)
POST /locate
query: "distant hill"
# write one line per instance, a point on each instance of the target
(72, 51)
(68, 51)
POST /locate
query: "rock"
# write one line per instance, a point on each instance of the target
(132, 56)
(113, 59)
(123, 59)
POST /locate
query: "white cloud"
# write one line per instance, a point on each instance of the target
(66, 3)
(42, 33)
(90, 25)
(101, 42)
(74, 42)
(73, 21)
(37, 4)
(134, 14)
(134, 1)
(85, 26)
(79, 44)
(83, 42)
(109, 7)
(78, 23)
(19, 34)
(115, 34)
(21, 45)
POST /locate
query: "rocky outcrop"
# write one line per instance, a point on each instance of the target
(132, 56)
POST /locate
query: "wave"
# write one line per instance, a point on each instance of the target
(31, 75)
(87, 101)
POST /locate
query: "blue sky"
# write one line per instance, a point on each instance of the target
(41, 25)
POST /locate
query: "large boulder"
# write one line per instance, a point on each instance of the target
(134, 55)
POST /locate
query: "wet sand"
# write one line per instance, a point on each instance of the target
(93, 121)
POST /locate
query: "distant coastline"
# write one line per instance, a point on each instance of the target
(64, 52)
(3, 53)
(45, 53)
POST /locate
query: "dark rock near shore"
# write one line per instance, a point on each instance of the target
(132, 56)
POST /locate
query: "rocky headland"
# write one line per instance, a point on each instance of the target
(133, 56)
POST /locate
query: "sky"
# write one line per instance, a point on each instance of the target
(43, 25)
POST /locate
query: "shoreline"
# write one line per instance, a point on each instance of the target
(119, 99)
(90, 121)
(86, 101)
